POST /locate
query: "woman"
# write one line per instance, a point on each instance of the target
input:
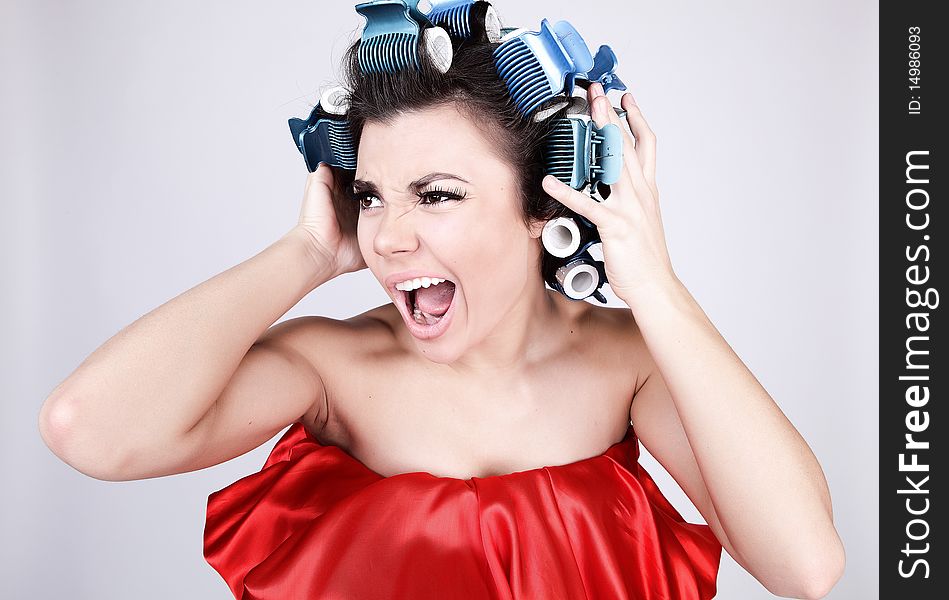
(488, 452)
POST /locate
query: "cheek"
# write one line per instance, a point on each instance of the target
(454, 244)
(491, 255)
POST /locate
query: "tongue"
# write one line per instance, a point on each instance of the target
(435, 299)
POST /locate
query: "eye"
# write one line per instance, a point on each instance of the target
(440, 196)
(361, 197)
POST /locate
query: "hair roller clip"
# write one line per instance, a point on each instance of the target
(604, 65)
(578, 152)
(466, 18)
(395, 32)
(536, 66)
(324, 136)
(577, 277)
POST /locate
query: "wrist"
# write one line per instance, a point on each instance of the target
(660, 290)
(314, 261)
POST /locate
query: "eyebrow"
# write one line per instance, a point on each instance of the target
(360, 185)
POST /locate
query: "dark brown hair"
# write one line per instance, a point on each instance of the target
(473, 85)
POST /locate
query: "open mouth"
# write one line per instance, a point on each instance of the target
(427, 306)
(428, 310)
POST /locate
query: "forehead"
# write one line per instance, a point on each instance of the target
(440, 138)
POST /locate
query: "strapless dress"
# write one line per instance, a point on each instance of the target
(316, 523)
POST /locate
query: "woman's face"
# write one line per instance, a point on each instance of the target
(435, 199)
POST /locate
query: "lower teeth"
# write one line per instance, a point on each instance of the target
(423, 318)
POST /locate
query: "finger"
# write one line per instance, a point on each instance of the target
(321, 177)
(645, 138)
(629, 147)
(596, 90)
(319, 183)
(600, 111)
(580, 203)
(631, 158)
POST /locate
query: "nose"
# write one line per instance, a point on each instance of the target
(396, 233)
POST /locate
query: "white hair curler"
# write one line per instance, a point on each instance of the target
(561, 237)
(335, 100)
(437, 43)
(578, 279)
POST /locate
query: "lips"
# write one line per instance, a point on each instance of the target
(401, 300)
(424, 332)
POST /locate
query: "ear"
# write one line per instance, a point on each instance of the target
(536, 227)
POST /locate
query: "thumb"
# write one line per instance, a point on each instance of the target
(580, 203)
(316, 192)
(322, 176)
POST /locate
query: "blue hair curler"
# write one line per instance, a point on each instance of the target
(464, 18)
(603, 71)
(536, 66)
(578, 152)
(394, 34)
(325, 136)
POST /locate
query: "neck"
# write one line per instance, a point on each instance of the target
(525, 336)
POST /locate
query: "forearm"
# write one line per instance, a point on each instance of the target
(766, 485)
(157, 377)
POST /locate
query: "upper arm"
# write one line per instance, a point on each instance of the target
(658, 427)
(275, 384)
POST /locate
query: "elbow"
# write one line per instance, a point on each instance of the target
(823, 578)
(817, 579)
(54, 424)
(817, 586)
(90, 454)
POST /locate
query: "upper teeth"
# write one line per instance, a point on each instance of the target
(414, 284)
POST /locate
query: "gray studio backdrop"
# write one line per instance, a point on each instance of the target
(144, 148)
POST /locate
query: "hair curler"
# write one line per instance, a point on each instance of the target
(466, 18)
(578, 152)
(395, 32)
(577, 277)
(565, 236)
(603, 71)
(324, 136)
(536, 66)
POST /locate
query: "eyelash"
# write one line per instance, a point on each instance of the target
(450, 194)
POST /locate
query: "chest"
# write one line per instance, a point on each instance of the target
(398, 419)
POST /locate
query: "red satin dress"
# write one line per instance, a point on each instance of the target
(317, 523)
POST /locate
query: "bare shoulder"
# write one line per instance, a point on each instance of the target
(331, 347)
(614, 323)
(616, 331)
(618, 319)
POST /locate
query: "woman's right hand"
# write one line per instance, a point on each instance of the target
(330, 224)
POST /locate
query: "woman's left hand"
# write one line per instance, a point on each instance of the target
(629, 223)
